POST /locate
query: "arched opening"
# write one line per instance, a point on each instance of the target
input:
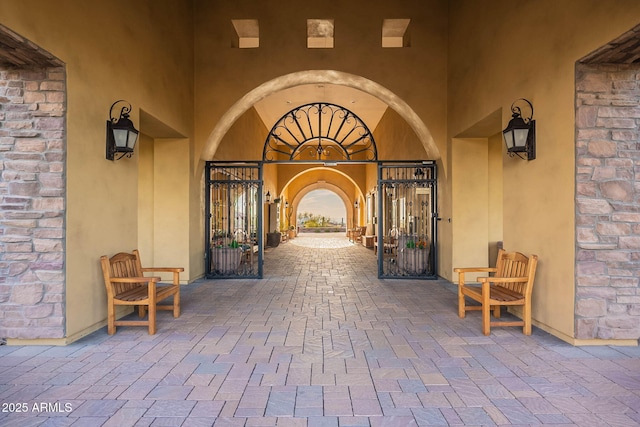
(322, 144)
(321, 220)
(319, 77)
(339, 181)
(321, 210)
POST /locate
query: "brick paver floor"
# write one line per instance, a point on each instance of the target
(320, 341)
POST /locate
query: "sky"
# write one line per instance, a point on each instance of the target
(324, 203)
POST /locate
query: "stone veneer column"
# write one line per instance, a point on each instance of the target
(32, 203)
(607, 202)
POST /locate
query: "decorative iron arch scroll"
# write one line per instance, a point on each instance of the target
(320, 132)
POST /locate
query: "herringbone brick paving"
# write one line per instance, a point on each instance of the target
(319, 342)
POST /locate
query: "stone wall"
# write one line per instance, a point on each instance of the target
(32, 203)
(607, 201)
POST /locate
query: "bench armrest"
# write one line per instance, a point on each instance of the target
(461, 272)
(162, 269)
(134, 279)
(475, 270)
(502, 279)
(175, 270)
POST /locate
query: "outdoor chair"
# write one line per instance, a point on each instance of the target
(126, 285)
(511, 284)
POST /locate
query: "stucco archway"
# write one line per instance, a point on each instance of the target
(324, 168)
(326, 184)
(320, 77)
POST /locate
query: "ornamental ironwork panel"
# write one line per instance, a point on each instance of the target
(320, 132)
(406, 235)
(233, 229)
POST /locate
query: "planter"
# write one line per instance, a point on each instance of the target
(413, 261)
(225, 260)
(291, 234)
(273, 239)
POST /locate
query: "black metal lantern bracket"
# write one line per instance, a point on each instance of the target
(520, 133)
(121, 134)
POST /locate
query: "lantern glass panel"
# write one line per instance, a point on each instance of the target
(508, 139)
(131, 139)
(120, 136)
(520, 138)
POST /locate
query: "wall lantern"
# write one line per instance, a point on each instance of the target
(121, 134)
(520, 134)
(356, 204)
(268, 197)
(286, 204)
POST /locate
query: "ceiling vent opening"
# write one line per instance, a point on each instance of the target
(247, 33)
(395, 33)
(320, 33)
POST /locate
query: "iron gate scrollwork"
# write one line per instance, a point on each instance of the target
(320, 132)
(406, 235)
(233, 239)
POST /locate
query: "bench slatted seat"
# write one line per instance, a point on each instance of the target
(511, 284)
(126, 285)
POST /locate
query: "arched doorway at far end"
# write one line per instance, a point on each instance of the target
(338, 180)
(322, 208)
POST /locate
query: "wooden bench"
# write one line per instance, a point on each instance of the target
(510, 285)
(126, 285)
(355, 234)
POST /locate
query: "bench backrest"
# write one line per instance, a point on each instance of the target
(121, 265)
(515, 264)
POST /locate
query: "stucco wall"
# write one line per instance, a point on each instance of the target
(528, 50)
(283, 50)
(470, 216)
(245, 139)
(397, 139)
(143, 56)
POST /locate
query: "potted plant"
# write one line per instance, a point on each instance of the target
(226, 257)
(414, 257)
(292, 232)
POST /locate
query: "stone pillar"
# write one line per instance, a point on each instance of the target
(32, 203)
(607, 202)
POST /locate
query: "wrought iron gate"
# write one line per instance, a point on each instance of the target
(234, 220)
(406, 234)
